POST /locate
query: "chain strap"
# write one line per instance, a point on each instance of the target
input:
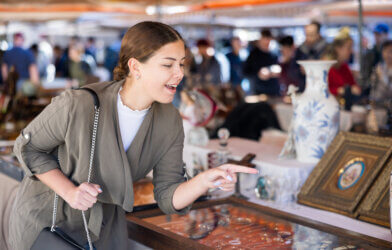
(90, 168)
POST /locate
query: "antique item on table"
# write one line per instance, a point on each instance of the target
(346, 172)
(375, 207)
(196, 109)
(143, 191)
(288, 150)
(197, 159)
(261, 188)
(223, 150)
(351, 173)
(237, 224)
(316, 113)
(371, 121)
(245, 161)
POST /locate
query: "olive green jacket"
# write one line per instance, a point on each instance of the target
(63, 132)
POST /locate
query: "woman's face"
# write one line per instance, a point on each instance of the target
(345, 51)
(163, 72)
(387, 55)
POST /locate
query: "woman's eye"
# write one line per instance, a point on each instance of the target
(182, 65)
(167, 66)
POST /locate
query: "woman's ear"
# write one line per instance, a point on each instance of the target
(134, 67)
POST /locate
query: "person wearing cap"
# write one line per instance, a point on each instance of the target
(23, 62)
(374, 56)
(257, 67)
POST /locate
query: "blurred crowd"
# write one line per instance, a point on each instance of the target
(227, 73)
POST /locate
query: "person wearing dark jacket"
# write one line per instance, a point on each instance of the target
(257, 67)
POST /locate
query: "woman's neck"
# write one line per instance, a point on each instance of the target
(338, 63)
(388, 66)
(133, 96)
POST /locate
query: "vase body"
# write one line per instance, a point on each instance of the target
(316, 113)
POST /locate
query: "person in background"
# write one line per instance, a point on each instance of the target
(291, 73)
(57, 55)
(373, 56)
(41, 59)
(111, 55)
(236, 63)
(208, 69)
(62, 70)
(78, 68)
(314, 45)
(340, 79)
(381, 78)
(1, 62)
(187, 81)
(23, 61)
(257, 67)
(91, 49)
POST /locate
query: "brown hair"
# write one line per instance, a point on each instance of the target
(331, 51)
(141, 41)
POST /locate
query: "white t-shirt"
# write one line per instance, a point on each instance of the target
(129, 121)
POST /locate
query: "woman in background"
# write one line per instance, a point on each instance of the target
(340, 78)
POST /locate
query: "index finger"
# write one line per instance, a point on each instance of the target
(240, 169)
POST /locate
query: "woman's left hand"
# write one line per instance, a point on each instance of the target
(224, 177)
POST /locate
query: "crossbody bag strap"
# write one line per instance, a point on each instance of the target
(93, 140)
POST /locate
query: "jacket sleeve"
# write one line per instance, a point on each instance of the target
(42, 136)
(249, 68)
(334, 81)
(169, 174)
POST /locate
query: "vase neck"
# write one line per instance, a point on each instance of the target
(316, 79)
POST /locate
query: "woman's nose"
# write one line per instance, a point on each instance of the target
(179, 72)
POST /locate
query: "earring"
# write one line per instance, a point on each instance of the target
(137, 77)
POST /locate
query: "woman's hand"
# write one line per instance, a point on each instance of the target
(356, 90)
(224, 177)
(340, 91)
(83, 197)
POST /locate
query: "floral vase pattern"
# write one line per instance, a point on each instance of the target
(316, 113)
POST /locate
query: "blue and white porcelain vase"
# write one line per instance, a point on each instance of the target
(316, 113)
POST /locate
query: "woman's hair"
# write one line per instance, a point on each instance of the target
(386, 44)
(141, 41)
(331, 51)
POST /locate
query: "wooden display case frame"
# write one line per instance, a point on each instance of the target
(158, 238)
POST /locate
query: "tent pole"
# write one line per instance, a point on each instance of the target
(360, 26)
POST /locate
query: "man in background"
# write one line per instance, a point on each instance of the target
(235, 62)
(314, 45)
(373, 56)
(258, 68)
(22, 61)
(291, 73)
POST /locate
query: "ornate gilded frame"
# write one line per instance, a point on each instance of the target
(321, 189)
(375, 206)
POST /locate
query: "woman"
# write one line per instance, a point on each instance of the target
(139, 130)
(381, 78)
(340, 77)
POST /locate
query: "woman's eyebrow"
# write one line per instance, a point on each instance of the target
(172, 58)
